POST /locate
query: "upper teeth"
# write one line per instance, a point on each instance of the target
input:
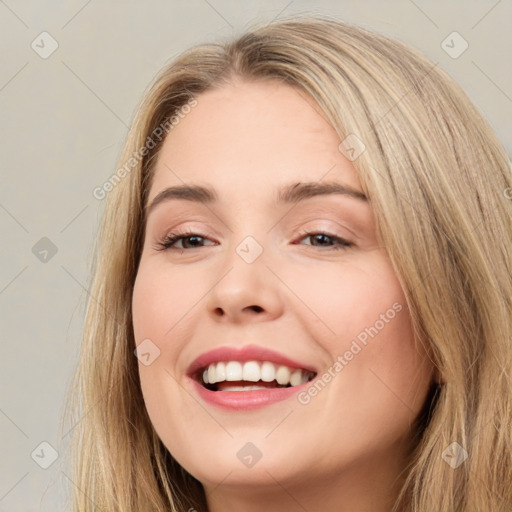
(253, 371)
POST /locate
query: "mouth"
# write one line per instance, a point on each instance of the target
(237, 376)
(247, 377)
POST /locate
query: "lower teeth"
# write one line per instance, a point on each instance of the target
(242, 388)
(249, 387)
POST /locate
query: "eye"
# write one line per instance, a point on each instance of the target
(186, 237)
(191, 240)
(322, 238)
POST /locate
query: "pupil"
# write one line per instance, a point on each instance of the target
(321, 237)
(191, 238)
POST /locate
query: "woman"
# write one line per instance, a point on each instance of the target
(229, 365)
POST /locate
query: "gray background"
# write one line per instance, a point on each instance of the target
(63, 121)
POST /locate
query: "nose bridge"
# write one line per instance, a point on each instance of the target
(246, 260)
(250, 249)
(248, 239)
(245, 284)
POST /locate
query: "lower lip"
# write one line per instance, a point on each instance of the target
(246, 399)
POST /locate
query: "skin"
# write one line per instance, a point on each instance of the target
(345, 449)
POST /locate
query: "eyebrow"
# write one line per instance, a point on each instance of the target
(289, 194)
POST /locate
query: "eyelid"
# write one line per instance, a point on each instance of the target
(315, 225)
(203, 227)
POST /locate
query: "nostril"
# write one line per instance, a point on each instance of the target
(258, 309)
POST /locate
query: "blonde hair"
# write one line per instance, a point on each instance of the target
(437, 179)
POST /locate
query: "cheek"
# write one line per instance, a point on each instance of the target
(378, 373)
(381, 386)
(159, 308)
(161, 301)
(346, 299)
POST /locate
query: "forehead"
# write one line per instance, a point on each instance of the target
(252, 137)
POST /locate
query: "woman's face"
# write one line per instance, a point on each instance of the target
(280, 276)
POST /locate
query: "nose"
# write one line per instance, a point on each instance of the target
(245, 292)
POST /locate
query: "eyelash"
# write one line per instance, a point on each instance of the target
(168, 240)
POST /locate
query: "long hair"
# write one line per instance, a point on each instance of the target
(439, 183)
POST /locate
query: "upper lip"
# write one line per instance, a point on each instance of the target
(242, 354)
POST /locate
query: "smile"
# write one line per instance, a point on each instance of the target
(251, 375)
(247, 377)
